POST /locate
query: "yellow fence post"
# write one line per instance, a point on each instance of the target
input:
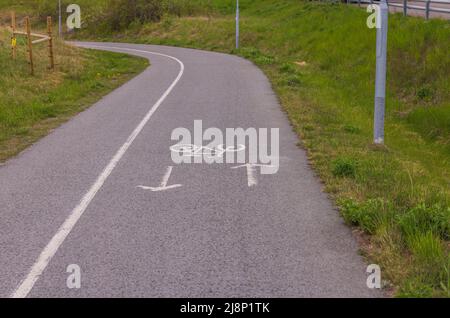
(13, 36)
(30, 44)
(50, 42)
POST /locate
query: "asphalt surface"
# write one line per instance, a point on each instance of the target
(212, 237)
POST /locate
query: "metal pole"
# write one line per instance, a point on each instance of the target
(60, 20)
(380, 81)
(237, 24)
(405, 7)
(428, 9)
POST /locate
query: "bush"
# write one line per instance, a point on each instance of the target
(122, 13)
(423, 219)
(344, 167)
(368, 215)
(46, 8)
(181, 7)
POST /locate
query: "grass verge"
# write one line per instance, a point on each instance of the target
(320, 59)
(31, 106)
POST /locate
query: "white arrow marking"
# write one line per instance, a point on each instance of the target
(164, 182)
(251, 172)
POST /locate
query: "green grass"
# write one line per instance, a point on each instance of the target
(320, 59)
(30, 106)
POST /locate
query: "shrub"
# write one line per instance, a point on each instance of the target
(122, 13)
(368, 215)
(423, 219)
(344, 167)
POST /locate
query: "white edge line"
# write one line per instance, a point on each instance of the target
(251, 171)
(52, 247)
(166, 177)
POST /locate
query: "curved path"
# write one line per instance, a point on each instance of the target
(74, 197)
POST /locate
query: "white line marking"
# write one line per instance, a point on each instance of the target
(164, 182)
(52, 247)
(251, 172)
(166, 177)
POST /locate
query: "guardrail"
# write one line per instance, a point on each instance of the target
(429, 6)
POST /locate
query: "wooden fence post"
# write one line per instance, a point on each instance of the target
(13, 36)
(50, 42)
(30, 44)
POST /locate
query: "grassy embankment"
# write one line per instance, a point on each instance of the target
(320, 59)
(31, 106)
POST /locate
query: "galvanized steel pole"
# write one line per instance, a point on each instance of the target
(380, 81)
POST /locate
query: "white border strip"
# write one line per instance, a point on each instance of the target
(52, 247)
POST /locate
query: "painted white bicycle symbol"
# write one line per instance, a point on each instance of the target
(190, 150)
